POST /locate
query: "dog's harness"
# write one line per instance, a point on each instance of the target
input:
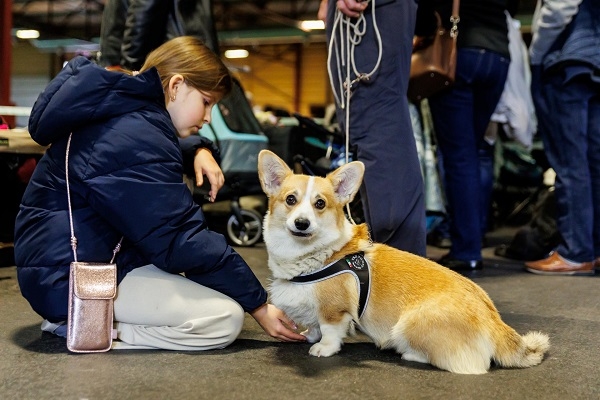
(355, 264)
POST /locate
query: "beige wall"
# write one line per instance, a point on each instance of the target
(288, 76)
(27, 60)
(292, 77)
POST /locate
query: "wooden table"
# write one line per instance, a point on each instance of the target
(19, 142)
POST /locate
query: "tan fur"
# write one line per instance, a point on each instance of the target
(423, 310)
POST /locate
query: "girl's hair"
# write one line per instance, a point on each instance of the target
(201, 68)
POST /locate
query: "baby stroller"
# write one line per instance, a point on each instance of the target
(237, 134)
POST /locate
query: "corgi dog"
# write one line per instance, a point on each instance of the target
(426, 312)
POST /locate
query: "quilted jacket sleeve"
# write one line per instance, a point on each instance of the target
(190, 144)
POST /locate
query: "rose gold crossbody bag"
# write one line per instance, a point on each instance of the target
(92, 288)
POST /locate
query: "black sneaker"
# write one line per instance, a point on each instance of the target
(437, 240)
(455, 264)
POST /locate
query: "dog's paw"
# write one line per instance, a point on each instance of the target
(324, 350)
(312, 335)
(415, 356)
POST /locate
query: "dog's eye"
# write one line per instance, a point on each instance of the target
(320, 204)
(290, 200)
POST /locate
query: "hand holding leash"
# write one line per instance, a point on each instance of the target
(352, 8)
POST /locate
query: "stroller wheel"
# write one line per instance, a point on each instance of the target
(247, 232)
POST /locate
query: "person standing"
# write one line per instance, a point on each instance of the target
(379, 125)
(131, 29)
(565, 64)
(461, 115)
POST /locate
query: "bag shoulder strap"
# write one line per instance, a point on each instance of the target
(455, 18)
(73, 238)
(455, 8)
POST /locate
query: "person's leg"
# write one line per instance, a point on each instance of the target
(594, 163)
(440, 236)
(565, 137)
(461, 116)
(487, 90)
(380, 128)
(486, 176)
(452, 113)
(156, 309)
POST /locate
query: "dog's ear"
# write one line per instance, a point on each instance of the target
(346, 181)
(272, 170)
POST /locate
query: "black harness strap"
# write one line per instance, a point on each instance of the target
(352, 263)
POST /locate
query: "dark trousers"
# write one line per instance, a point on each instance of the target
(461, 116)
(569, 122)
(380, 129)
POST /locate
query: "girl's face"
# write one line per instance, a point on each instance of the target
(189, 108)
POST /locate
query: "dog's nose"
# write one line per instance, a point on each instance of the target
(302, 224)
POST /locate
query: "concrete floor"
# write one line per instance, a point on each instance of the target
(36, 366)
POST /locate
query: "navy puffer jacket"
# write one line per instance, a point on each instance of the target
(125, 175)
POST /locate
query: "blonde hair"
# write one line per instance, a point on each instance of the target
(189, 57)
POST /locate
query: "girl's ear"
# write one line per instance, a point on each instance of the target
(174, 83)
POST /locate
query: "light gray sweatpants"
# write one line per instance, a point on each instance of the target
(158, 310)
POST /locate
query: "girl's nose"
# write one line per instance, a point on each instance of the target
(207, 115)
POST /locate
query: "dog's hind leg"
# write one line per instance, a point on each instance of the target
(456, 356)
(415, 356)
(401, 345)
(448, 344)
(469, 357)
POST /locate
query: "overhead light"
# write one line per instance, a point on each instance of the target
(311, 25)
(27, 34)
(236, 53)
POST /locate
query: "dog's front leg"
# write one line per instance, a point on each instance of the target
(332, 338)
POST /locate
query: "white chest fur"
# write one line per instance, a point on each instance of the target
(297, 301)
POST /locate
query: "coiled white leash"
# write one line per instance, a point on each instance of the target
(346, 34)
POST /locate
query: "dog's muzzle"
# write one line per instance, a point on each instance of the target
(301, 224)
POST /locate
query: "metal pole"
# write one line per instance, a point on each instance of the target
(6, 56)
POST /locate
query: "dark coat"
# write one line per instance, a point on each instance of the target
(131, 29)
(125, 176)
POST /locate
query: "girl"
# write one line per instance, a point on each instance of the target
(181, 287)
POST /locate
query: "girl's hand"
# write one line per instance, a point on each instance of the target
(205, 164)
(276, 324)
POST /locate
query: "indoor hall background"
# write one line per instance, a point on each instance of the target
(285, 68)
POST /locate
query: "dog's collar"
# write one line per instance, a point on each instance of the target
(356, 264)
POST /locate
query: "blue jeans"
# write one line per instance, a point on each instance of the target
(461, 116)
(486, 173)
(569, 122)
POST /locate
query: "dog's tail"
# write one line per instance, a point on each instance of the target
(515, 351)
